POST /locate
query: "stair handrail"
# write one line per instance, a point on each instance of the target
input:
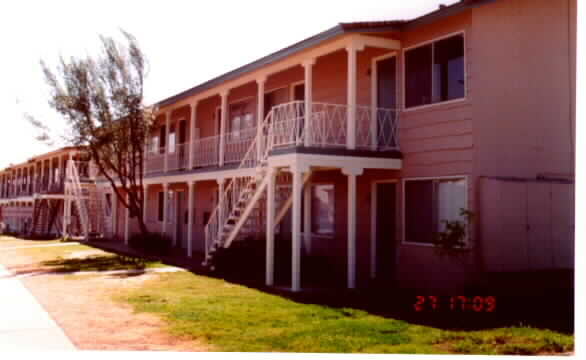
(217, 216)
(75, 187)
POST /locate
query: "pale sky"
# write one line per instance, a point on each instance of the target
(186, 42)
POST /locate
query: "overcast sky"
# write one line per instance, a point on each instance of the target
(186, 43)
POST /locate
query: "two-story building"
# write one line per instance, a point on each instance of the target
(33, 194)
(348, 150)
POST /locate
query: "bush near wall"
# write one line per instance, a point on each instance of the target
(151, 243)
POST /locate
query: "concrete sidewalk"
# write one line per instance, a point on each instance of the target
(24, 324)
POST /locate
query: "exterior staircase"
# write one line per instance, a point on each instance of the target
(240, 212)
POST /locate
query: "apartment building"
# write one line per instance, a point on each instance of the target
(34, 196)
(342, 155)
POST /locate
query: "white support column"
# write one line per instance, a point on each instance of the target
(192, 132)
(223, 119)
(351, 97)
(270, 249)
(296, 230)
(145, 194)
(352, 173)
(220, 204)
(260, 109)
(114, 214)
(373, 105)
(165, 207)
(190, 209)
(167, 133)
(307, 217)
(126, 223)
(308, 67)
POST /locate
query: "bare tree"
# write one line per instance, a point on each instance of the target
(101, 98)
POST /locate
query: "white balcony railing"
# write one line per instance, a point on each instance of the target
(205, 151)
(178, 157)
(237, 144)
(375, 130)
(154, 161)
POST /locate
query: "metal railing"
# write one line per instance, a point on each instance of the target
(178, 157)
(376, 128)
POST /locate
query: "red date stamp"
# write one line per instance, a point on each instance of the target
(477, 304)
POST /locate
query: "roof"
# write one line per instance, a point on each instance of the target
(341, 28)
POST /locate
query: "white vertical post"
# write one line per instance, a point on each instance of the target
(165, 208)
(126, 223)
(308, 67)
(270, 249)
(114, 214)
(260, 109)
(167, 133)
(351, 99)
(220, 205)
(145, 194)
(190, 197)
(192, 127)
(307, 217)
(373, 106)
(296, 231)
(224, 116)
(351, 173)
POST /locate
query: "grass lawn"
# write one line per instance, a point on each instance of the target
(65, 259)
(236, 318)
(10, 241)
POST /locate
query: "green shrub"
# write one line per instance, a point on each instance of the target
(151, 243)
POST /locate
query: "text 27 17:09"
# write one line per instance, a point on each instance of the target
(455, 303)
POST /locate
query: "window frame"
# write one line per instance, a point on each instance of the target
(467, 242)
(312, 232)
(404, 75)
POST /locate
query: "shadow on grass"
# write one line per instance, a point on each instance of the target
(96, 263)
(535, 299)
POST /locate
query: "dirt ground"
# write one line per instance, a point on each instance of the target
(84, 309)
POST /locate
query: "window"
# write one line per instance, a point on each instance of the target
(241, 119)
(435, 72)
(322, 209)
(428, 202)
(154, 144)
(162, 140)
(172, 139)
(161, 205)
(108, 204)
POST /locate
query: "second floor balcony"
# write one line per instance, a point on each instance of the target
(326, 127)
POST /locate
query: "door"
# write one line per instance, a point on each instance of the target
(386, 85)
(180, 220)
(182, 146)
(385, 244)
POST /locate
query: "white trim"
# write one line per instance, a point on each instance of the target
(275, 89)
(292, 86)
(424, 43)
(403, 197)
(373, 223)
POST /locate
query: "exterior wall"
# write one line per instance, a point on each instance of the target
(524, 121)
(524, 76)
(15, 216)
(436, 140)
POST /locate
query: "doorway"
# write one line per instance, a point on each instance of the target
(180, 220)
(386, 98)
(383, 237)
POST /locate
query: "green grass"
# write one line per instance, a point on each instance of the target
(58, 258)
(236, 318)
(99, 263)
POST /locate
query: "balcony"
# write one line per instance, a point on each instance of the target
(286, 127)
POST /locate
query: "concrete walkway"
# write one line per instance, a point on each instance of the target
(24, 324)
